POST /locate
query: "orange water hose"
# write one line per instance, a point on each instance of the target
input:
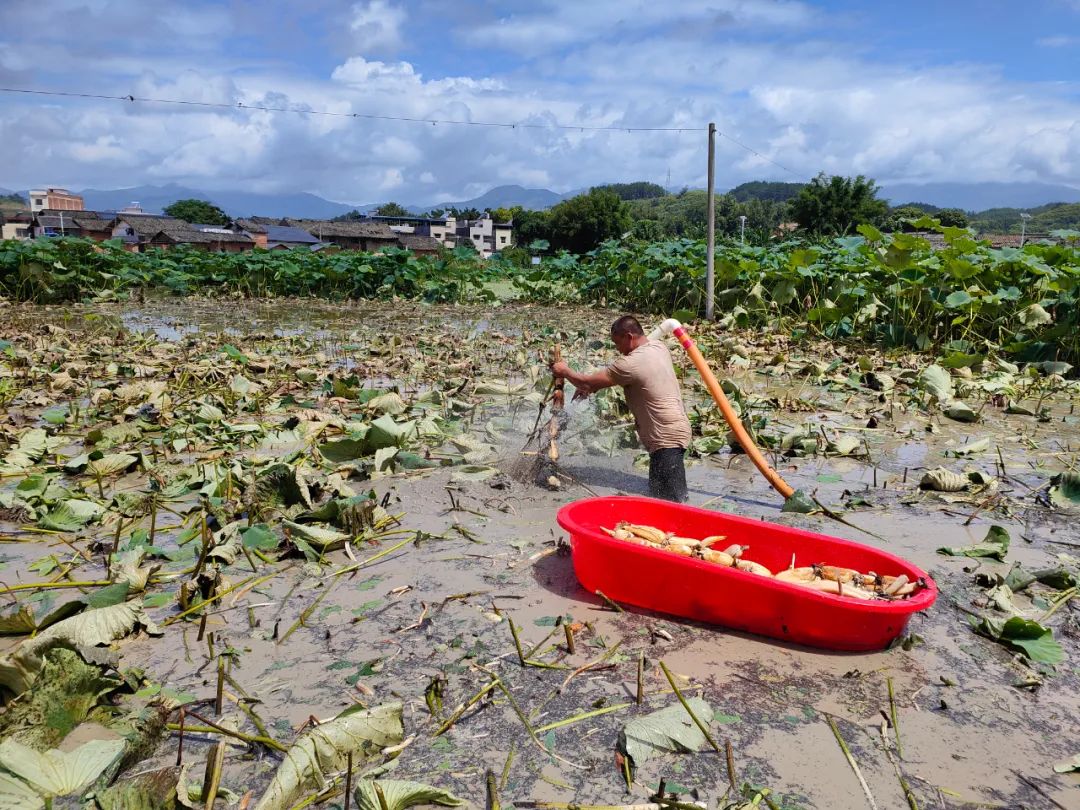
(673, 327)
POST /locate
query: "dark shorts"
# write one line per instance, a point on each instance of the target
(667, 475)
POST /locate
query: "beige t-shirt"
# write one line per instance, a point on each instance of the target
(652, 392)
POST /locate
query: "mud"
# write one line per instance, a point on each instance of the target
(978, 727)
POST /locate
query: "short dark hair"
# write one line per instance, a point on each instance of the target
(627, 325)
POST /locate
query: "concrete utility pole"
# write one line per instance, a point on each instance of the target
(710, 250)
(742, 228)
(1023, 227)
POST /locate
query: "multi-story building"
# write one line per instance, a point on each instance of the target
(55, 199)
(487, 235)
(442, 229)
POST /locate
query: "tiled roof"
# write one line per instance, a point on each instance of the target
(996, 240)
(419, 242)
(250, 225)
(176, 230)
(83, 220)
(354, 229)
(286, 233)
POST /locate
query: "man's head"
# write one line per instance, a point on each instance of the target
(626, 334)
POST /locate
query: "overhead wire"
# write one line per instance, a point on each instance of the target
(371, 116)
(382, 117)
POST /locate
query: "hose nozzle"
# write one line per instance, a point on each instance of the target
(664, 329)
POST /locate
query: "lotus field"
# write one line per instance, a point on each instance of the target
(274, 537)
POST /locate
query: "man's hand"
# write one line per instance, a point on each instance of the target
(559, 369)
(584, 383)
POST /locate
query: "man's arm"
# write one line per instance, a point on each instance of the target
(587, 383)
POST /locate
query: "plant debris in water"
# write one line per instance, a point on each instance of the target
(275, 563)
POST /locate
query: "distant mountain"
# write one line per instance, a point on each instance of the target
(980, 196)
(153, 199)
(968, 196)
(505, 197)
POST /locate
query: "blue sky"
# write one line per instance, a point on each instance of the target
(916, 92)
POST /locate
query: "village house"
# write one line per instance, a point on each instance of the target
(270, 234)
(484, 234)
(441, 229)
(55, 199)
(996, 240)
(96, 225)
(142, 231)
(16, 225)
(420, 244)
(351, 235)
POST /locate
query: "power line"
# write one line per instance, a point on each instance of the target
(369, 116)
(376, 117)
(755, 152)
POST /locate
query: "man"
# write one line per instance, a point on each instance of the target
(652, 391)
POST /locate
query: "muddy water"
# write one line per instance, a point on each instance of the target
(970, 733)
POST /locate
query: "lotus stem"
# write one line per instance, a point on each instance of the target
(610, 603)
(27, 586)
(306, 613)
(464, 708)
(895, 721)
(701, 726)
(851, 761)
(583, 716)
(214, 728)
(362, 563)
(492, 792)
(213, 775)
(218, 595)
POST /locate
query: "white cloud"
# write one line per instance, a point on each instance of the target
(375, 26)
(358, 70)
(1060, 41)
(391, 179)
(803, 101)
(552, 24)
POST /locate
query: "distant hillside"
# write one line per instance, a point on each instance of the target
(535, 199)
(153, 199)
(980, 196)
(1044, 219)
(762, 190)
(967, 196)
(10, 201)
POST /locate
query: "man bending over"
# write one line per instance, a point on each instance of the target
(646, 373)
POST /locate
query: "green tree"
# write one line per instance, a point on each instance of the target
(502, 214)
(765, 190)
(350, 216)
(641, 190)
(763, 217)
(683, 214)
(199, 211)
(392, 209)
(952, 217)
(531, 226)
(463, 213)
(583, 222)
(898, 218)
(836, 205)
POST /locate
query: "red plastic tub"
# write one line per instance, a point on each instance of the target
(707, 592)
